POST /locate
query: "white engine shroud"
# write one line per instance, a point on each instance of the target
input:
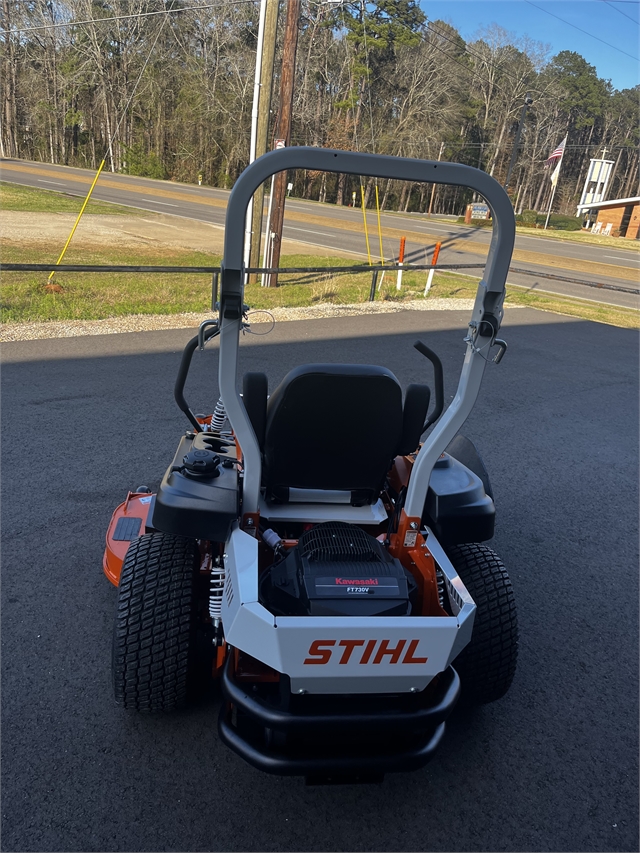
(339, 654)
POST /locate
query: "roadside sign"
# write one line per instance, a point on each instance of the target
(477, 211)
(480, 211)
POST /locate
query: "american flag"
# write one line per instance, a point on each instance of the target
(558, 152)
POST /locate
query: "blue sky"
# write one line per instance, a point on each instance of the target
(606, 19)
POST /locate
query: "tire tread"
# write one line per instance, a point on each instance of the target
(154, 625)
(487, 665)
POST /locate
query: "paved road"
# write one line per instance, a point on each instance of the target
(552, 767)
(342, 229)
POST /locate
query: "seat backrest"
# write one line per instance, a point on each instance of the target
(335, 427)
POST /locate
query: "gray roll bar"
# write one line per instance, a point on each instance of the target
(371, 165)
(485, 321)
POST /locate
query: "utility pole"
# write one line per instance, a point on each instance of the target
(9, 130)
(528, 100)
(433, 188)
(264, 112)
(283, 131)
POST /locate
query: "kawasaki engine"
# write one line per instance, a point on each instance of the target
(337, 570)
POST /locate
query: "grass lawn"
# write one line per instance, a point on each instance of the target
(17, 197)
(581, 237)
(626, 318)
(94, 296)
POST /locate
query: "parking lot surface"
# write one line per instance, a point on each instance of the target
(551, 767)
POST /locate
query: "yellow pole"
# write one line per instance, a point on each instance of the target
(379, 228)
(73, 230)
(364, 216)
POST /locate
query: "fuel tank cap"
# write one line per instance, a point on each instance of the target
(201, 463)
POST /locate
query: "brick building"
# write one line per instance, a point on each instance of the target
(619, 217)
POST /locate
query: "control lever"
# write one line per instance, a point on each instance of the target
(438, 376)
(202, 339)
(204, 335)
(500, 354)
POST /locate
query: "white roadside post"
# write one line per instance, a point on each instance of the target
(254, 126)
(434, 261)
(268, 239)
(403, 241)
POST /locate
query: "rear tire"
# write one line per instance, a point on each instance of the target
(487, 665)
(155, 634)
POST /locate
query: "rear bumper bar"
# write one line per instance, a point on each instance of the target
(309, 743)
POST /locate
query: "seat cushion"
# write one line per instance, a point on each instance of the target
(416, 404)
(332, 426)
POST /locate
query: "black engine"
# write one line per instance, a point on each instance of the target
(337, 570)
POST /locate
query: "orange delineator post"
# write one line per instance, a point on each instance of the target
(434, 261)
(403, 241)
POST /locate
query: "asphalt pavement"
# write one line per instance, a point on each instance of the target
(551, 767)
(342, 229)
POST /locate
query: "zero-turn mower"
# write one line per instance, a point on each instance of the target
(328, 571)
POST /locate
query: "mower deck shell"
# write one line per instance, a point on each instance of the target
(129, 520)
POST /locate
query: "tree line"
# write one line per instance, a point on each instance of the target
(168, 94)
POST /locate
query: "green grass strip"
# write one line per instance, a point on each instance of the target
(95, 296)
(35, 200)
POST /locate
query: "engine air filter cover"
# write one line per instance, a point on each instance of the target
(338, 570)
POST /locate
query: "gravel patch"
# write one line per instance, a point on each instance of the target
(151, 322)
(156, 231)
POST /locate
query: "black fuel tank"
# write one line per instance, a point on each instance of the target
(457, 508)
(198, 496)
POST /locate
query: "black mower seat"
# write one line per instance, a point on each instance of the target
(333, 427)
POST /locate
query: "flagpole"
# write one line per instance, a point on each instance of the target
(553, 192)
(555, 186)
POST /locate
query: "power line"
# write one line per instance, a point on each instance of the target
(366, 54)
(469, 71)
(124, 17)
(442, 35)
(137, 83)
(301, 139)
(473, 55)
(557, 17)
(608, 2)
